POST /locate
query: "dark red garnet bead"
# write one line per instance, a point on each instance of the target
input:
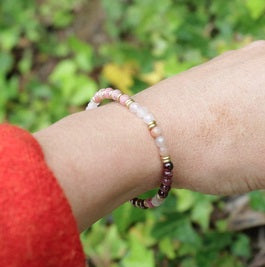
(168, 166)
(133, 201)
(168, 174)
(166, 181)
(165, 188)
(162, 194)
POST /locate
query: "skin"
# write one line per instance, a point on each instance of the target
(213, 120)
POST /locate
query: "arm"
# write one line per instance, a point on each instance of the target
(212, 117)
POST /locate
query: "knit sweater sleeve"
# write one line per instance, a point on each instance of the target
(37, 227)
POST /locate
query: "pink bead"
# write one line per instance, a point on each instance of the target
(107, 92)
(97, 99)
(149, 203)
(123, 99)
(156, 131)
(115, 94)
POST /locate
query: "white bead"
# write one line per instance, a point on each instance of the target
(134, 107)
(142, 112)
(160, 141)
(148, 118)
(157, 201)
(91, 105)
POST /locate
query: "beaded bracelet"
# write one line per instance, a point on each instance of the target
(155, 131)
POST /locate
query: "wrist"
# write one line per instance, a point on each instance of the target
(101, 159)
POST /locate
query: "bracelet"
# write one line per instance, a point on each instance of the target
(155, 131)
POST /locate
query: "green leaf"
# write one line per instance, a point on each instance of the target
(241, 247)
(166, 246)
(138, 255)
(83, 90)
(6, 62)
(178, 227)
(83, 53)
(62, 71)
(126, 215)
(26, 62)
(185, 199)
(257, 200)
(201, 213)
(256, 8)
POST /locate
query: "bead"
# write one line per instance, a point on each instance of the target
(156, 131)
(133, 201)
(162, 194)
(142, 206)
(134, 107)
(118, 98)
(97, 98)
(165, 188)
(167, 173)
(168, 165)
(163, 151)
(115, 94)
(160, 142)
(91, 105)
(123, 99)
(107, 92)
(129, 102)
(156, 201)
(141, 112)
(166, 181)
(151, 125)
(148, 118)
(149, 203)
(166, 159)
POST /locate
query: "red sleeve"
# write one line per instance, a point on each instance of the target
(37, 227)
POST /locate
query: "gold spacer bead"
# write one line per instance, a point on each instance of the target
(151, 125)
(118, 98)
(166, 159)
(129, 102)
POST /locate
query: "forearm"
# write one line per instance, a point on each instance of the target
(212, 118)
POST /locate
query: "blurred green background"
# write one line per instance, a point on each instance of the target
(55, 54)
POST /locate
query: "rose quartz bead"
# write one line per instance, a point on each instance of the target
(160, 141)
(156, 131)
(107, 92)
(134, 107)
(98, 96)
(123, 99)
(97, 99)
(149, 203)
(163, 151)
(115, 94)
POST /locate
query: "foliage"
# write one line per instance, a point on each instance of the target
(47, 71)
